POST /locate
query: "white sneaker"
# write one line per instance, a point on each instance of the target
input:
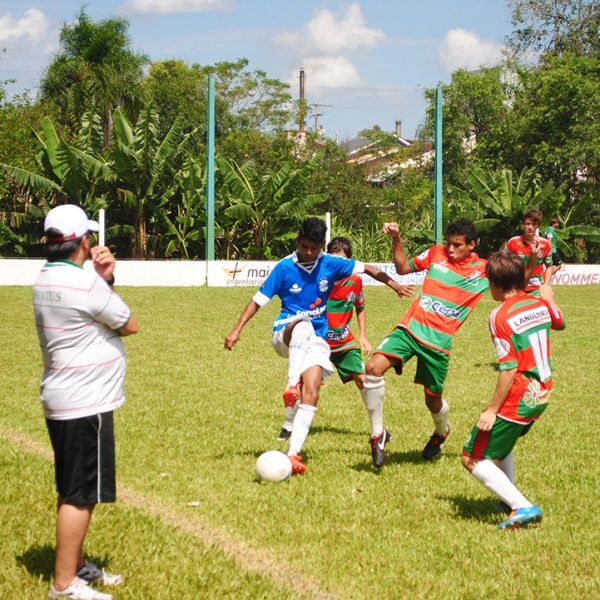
(79, 590)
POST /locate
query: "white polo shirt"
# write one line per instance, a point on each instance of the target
(76, 316)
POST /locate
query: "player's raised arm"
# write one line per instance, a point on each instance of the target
(404, 291)
(233, 336)
(398, 254)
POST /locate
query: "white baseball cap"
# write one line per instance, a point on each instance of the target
(70, 220)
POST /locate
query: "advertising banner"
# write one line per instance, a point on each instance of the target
(577, 275)
(239, 273)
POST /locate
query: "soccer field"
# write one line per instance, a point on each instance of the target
(192, 522)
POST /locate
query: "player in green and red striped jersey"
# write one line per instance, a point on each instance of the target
(453, 286)
(535, 252)
(520, 329)
(345, 298)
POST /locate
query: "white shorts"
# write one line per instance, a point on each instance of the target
(317, 352)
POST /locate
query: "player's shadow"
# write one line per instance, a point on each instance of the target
(39, 561)
(474, 509)
(318, 429)
(410, 457)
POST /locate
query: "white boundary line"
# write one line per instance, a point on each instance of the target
(283, 575)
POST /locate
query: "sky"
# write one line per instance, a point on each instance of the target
(367, 62)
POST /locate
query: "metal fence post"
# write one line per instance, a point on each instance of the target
(437, 211)
(210, 172)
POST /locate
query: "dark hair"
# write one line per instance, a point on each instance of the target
(340, 243)
(534, 215)
(60, 250)
(554, 221)
(462, 227)
(506, 271)
(313, 230)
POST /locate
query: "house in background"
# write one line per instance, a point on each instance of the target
(384, 157)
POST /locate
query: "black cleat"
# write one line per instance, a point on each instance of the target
(378, 444)
(284, 434)
(434, 445)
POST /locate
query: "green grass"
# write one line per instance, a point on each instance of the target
(197, 417)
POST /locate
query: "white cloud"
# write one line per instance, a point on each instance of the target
(463, 49)
(165, 7)
(329, 71)
(33, 26)
(324, 34)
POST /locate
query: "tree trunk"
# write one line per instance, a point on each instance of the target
(139, 246)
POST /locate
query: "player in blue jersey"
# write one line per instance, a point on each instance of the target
(303, 282)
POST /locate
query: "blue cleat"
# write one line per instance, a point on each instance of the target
(522, 517)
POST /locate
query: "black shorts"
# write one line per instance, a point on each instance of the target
(556, 259)
(84, 459)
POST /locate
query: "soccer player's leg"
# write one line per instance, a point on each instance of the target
(482, 452)
(297, 337)
(392, 352)
(432, 368)
(316, 367)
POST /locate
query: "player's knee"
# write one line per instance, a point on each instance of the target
(375, 368)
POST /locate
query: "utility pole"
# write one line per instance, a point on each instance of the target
(319, 114)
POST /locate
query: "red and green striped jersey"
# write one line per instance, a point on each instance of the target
(346, 295)
(449, 293)
(518, 245)
(520, 329)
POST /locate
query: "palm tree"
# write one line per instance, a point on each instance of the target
(94, 68)
(267, 208)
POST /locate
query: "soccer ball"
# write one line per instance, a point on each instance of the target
(273, 466)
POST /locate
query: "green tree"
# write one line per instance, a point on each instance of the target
(94, 68)
(476, 118)
(556, 123)
(266, 208)
(249, 99)
(555, 26)
(174, 89)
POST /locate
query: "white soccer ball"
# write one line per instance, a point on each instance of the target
(273, 466)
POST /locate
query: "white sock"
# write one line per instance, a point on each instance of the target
(498, 483)
(290, 413)
(301, 335)
(300, 427)
(373, 393)
(507, 466)
(440, 419)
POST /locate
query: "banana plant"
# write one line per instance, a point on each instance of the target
(182, 210)
(268, 207)
(73, 173)
(145, 168)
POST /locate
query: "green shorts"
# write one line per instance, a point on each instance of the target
(348, 363)
(432, 365)
(497, 443)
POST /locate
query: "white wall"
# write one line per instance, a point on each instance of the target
(223, 273)
(127, 272)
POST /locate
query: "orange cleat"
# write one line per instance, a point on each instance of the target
(298, 467)
(291, 395)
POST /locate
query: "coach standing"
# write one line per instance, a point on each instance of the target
(80, 321)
